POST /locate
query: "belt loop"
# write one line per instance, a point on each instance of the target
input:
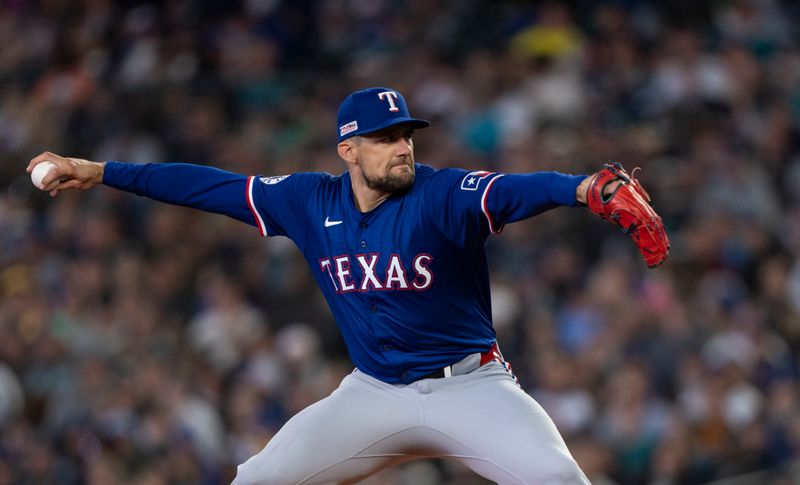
(448, 371)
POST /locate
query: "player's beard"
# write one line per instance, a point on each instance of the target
(391, 182)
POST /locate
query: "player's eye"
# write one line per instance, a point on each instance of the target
(407, 135)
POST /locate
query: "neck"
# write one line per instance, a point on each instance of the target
(366, 198)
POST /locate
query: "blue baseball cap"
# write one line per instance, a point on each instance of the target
(373, 109)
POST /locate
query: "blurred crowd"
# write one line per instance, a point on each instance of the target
(146, 344)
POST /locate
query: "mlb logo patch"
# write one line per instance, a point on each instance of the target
(348, 128)
(272, 180)
(473, 180)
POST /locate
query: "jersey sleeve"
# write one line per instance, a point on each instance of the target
(469, 206)
(279, 204)
(198, 186)
(273, 204)
(520, 196)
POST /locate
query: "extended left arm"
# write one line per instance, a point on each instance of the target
(610, 193)
(514, 197)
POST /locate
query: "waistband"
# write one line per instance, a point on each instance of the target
(467, 364)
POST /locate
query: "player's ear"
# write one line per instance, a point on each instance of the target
(348, 150)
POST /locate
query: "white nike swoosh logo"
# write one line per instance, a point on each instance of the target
(329, 223)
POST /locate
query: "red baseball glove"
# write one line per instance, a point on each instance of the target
(628, 207)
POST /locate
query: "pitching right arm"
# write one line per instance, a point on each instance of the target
(201, 187)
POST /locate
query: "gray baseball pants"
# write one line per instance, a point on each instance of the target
(481, 419)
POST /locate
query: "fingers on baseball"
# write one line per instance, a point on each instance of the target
(60, 162)
(52, 179)
(66, 185)
(43, 157)
(57, 179)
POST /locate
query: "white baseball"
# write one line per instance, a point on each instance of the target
(38, 174)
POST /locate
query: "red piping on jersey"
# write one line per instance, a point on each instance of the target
(248, 193)
(486, 210)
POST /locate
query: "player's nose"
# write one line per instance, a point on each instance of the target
(402, 147)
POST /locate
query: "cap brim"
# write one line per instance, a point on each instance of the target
(414, 122)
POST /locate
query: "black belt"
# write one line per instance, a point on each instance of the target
(437, 374)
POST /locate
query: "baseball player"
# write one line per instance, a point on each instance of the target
(398, 249)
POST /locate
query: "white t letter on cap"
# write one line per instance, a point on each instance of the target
(391, 96)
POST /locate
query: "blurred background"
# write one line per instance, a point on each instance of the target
(146, 344)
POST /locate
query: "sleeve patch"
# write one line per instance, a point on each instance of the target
(272, 180)
(472, 180)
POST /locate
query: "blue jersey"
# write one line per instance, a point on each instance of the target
(408, 282)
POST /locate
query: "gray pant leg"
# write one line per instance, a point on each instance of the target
(482, 419)
(334, 439)
(501, 432)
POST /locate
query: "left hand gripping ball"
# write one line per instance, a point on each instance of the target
(38, 174)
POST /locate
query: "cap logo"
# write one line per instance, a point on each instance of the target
(348, 128)
(389, 96)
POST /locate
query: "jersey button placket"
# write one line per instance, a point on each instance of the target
(362, 226)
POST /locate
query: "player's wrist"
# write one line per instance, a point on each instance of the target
(583, 189)
(88, 171)
(99, 172)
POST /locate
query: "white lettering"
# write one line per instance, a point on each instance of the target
(396, 274)
(389, 96)
(325, 265)
(343, 273)
(369, 272)
(421, 267)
